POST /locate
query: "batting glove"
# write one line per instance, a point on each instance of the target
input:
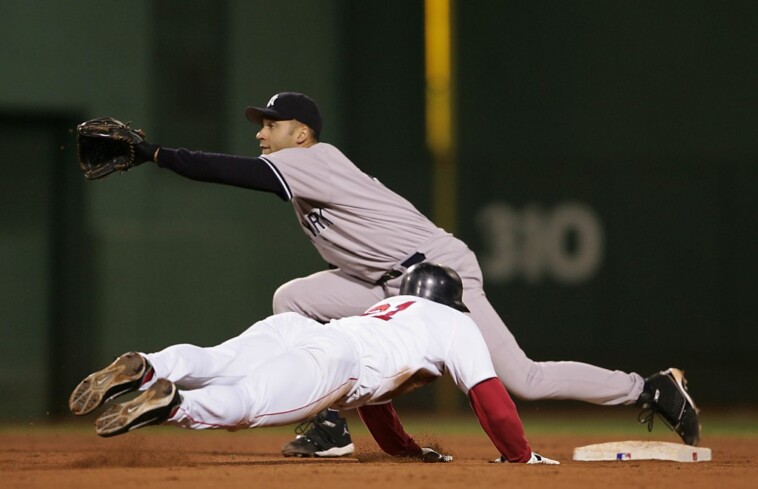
(432, 457)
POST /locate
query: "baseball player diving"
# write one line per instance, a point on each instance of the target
(370, 236)
(287, 368)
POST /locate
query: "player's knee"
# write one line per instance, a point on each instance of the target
(288, 298)
(521, 392)
(521, 387)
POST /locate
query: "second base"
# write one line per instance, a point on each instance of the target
(642, 450)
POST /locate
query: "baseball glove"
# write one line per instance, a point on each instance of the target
(106, 145)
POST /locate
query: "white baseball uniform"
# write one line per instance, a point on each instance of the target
(286, 368)
(364, 230)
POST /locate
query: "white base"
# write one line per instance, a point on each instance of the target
(642, 450)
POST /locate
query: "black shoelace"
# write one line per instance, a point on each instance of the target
(647, 415)
(303, 427)
(310, 423)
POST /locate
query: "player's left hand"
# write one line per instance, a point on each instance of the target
(431, 456)
(107, 145)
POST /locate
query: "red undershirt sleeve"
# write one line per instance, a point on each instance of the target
(384, 425)
(500, 420)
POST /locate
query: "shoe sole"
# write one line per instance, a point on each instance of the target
(141, 411)
(98, 388)
(348, 449)
(678, 377)
(681, 383)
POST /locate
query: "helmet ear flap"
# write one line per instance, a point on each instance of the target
(435, 282)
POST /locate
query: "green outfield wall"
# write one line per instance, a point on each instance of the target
(606, 155)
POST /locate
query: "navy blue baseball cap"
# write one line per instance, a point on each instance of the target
(286, 106)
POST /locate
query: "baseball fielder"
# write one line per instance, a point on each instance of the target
(370, 235)
(287, 368)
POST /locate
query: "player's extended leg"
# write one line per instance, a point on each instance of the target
(523, 377)
(316, 370)
(324, 296)
(287, 389)
(188, 365)
(193, 367)
(527, 379)
(664, 393)
(530, 380)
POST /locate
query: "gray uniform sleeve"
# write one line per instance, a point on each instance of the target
(303, 174)
(355, 222)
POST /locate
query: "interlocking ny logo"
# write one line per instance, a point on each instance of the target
(273, 99)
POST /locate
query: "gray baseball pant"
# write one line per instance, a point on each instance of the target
(333, 294)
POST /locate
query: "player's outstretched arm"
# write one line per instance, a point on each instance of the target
(383, 423)
(239, 171)
(498, 416)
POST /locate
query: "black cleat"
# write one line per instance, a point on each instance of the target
(324, 439)
(154, 406)
(665, 394)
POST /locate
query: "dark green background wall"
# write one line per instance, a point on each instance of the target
(643, 114)
(607, 163)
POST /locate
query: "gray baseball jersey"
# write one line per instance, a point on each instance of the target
(355, 222)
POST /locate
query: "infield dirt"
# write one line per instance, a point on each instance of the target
(170, 458)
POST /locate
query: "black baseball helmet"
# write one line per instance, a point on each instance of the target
(437, 283)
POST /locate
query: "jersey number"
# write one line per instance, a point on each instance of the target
(385, 311)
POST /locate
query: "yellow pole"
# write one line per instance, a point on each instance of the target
(440, 139)
(439, 110)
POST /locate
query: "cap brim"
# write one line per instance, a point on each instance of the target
(257, 114)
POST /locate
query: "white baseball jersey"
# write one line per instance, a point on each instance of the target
(337, 204)
(287, 367)
(405, 341)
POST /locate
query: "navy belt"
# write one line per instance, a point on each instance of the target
(417, 257)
